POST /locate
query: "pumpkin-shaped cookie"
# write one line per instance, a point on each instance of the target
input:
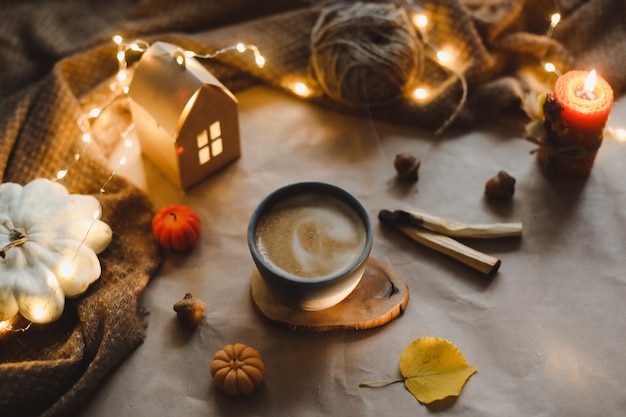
(237, 369)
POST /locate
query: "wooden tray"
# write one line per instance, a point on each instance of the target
(380, 297)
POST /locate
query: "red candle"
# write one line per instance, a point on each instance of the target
(575, 116)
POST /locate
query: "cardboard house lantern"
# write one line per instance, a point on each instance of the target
(186, 121)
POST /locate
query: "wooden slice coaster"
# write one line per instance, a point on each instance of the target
(380, 297)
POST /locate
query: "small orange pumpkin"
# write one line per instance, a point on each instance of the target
(237, 369)
(176, 227)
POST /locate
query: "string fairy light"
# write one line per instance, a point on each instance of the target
(298, 87)
(301, 89)
(555, 19)
(445, 59)
(7, 326)
(239, 47)
(85, 122)
(420, 93)
(120, 89)
(550, 67)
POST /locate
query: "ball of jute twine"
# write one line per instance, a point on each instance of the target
(365, 54)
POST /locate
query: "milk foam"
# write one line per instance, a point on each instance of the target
(311, 236)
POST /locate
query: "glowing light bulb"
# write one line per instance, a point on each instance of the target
(550, 67)
(301, 89)
(555, 19)
(122, 76)
(94, 113)
(121, 56)
(443, 57)
(38, 312)
(420, 20)
(117, 39)
(260, 61)
(5, 326)
(66, 269)
(420, 93)
(241, 47)
(61, 174)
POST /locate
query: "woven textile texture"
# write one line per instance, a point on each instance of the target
(55, 53)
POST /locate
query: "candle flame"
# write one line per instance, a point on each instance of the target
(590, 82)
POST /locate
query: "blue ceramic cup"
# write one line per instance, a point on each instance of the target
(310, 242)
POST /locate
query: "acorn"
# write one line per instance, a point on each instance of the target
(189, 310)
(406, 166)
(500, 187)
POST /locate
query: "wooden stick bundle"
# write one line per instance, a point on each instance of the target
(434, 232)
(454, 228)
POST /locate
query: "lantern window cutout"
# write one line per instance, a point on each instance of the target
(210, 147)
(186, 121)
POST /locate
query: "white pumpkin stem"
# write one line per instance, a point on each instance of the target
(17, 237)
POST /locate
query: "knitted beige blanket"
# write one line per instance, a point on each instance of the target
(53, 53)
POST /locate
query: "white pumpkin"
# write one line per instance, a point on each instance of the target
(49, 239)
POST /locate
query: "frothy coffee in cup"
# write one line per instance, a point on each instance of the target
(311, 236)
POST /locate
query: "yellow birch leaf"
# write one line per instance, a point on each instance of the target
(434, 369)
